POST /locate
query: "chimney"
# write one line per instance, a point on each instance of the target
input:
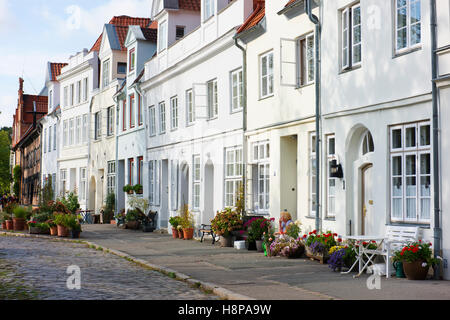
(258, 2)
(34, 114)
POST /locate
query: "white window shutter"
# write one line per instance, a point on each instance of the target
(158, 182)
(200, 92)
(289, 70)
(346, 41)
(174, 184)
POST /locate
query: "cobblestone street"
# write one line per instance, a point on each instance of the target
(36, 269)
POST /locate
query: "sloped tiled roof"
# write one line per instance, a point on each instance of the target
(123, 21)
(255, 18)
(190, 5)
(150, 34)
(55, 69)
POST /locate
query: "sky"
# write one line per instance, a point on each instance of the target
(33, 32)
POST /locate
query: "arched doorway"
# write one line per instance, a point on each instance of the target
(360, 149)
(208, 213)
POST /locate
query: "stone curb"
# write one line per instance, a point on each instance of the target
(207, 286)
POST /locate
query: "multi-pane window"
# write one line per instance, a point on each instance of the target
(233, 174)
(174, 113)
(266, 75)
(50, 139)
(307, 60)
(154, 181)
(131, 171)
(190, 107)
(261, 158)
(54, 138)
(65, 135)
(78, 92)
(85, 89)
(132, 59)
(72, 94)
(140, 167)
(44, 140)
(312, 175)
(71, 131)
(162, 117)
(105, 73)
(78, 130)
(196, 181)
(213, 103)
(152, 120)
(85, 128)
(62, 181)
(331, 183)
(83, 183)
(66, 96)
(351, 37)
(111, 177)
(237, 88)
(140, 115)
(132, 111)
(411, 172)
(208, 9)
(151, 185)
(97, 125)
(110, 121)
(408, 26)
(162, 36)
(124, 115)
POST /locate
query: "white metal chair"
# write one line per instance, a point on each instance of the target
(396, 238)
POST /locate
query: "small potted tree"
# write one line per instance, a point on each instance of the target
(131, 219)
(128, 189)
(137, 188)
(20, 215)
(174, 222)
(187, 222)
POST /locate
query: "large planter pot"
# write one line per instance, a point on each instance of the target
(321, 257)
(415, 270)
(35, 230)
(134, 225)
(54, 231)
(226, 242)
(188, 233)
(259, 246)
(4, 225)
(174, 233)
(251, 245)
(19, 224)
(9, 225)
(62, 231)
(75, 234)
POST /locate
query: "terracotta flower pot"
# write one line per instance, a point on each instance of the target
(54, 231)
(174, 233)
(62, 231)
(19, 224)
(415, 270)
(9, 225)
(188, 233)
(113, 221)
(180, 233)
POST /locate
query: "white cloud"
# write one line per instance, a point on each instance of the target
(5, 15)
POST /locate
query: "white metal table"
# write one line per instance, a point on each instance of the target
(364, 251)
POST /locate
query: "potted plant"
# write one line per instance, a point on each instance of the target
(417, 257)
(128, 189)
(20, 215)
(287, 247)
(3, 216)
(61, 220)
(137, 188)
(180, 231)
(131, 219)
(224, 223)
(74, 226)
(108, 209)
(33, 227)
(187, 222)
(174, 222)
(318, 245)
(257, 227)
(52, 227)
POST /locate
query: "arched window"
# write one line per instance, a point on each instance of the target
(367, 143)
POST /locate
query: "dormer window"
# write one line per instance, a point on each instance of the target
(132, 59)
(180, 32)
(208, 9)
(121, 67)
(162, 36)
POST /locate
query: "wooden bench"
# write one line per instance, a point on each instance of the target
(207, 229)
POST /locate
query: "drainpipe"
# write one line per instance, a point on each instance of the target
(244, 122)
(116, 189)
(88, 167)
(316, 21)
(437, 232)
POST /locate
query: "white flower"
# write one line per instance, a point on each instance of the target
(424, 265)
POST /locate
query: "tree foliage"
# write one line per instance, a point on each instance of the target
(5, 152)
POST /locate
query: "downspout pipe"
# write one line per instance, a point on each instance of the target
(244, 122)
(437, 231)
(316, 21)
(116, 189)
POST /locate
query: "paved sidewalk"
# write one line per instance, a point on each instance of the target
(251, 274)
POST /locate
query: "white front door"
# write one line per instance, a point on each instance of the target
(367, 214)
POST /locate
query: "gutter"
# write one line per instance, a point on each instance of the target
(316, 21)
(437, 231)
(244, 122)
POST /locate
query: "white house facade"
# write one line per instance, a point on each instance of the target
(194, 102)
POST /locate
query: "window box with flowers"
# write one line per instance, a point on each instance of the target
(417, 258)
(318, 245)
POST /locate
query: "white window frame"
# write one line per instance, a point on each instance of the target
(348, 43)
(213, 99)
(71, 131)
(105, 73)
(403, 153)
(408, 26)
(151, 175)
(190, 108)
(331, 198)
(174, 113)
(54, 137)
(266, 74)
(98, 125)
(261, 159)
(237, 89)
(152, 120)
(307, 59)
(66, 96)
(132, 100)
(83, 183)
(209, 9)
(49, 138)
(312, 174)
(78, 130)
(79, 92)
(196, 182)
(63, 181)
(162, 36)
(111, 177)
(110, 122)
(85, 88)
(162, 117)
(85, 128)
(65, 133)
(233, 159)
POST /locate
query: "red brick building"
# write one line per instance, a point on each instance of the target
(26, 143)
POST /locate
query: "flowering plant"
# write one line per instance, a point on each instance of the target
(226, 221)
(328, 240)
(287, 247)
(293, 230)
(257, 227)
(341, 256)
(416, 251)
